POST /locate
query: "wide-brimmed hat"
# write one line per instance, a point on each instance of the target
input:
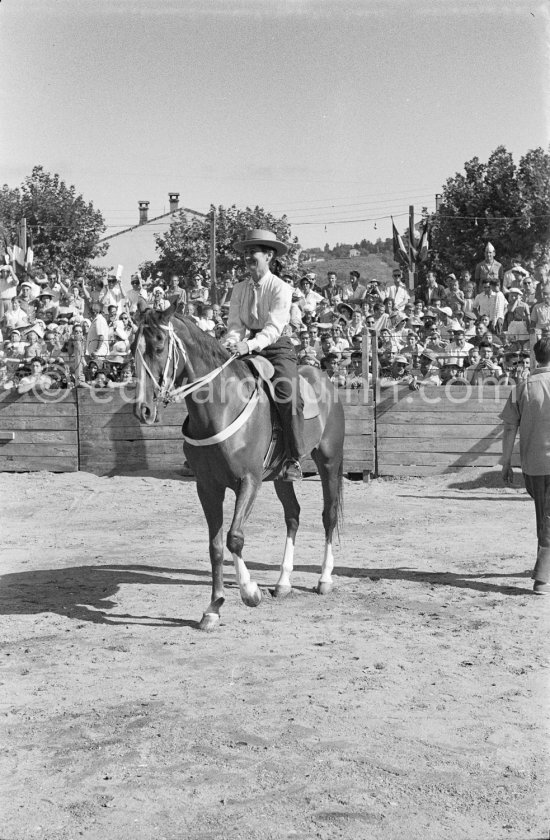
(401, 360)
(265, 238)
(35, 328)
(431, 355)
(446, 310)
(46, 292)
(345, 309)
(116, 359)
(456, 327)
(513, 291)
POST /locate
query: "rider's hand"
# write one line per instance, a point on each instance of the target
(241, 348)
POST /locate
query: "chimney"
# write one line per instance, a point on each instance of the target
(174, 201)
(143, 212)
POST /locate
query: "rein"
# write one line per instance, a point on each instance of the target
(166, 392)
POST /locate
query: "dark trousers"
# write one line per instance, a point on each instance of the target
(538, 487)
(288, 399)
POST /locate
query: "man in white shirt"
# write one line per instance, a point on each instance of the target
(397, 291)
(258, 312)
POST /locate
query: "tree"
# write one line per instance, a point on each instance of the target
(63, 227)
(494, 202)
(185, 248)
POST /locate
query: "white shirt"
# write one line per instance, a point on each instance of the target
(274, 298)
(399, 295)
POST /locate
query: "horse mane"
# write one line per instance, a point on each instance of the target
(204, 345)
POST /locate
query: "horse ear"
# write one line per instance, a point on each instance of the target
(142, 306)
(166, 314)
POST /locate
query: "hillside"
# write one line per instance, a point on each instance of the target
(370, 267)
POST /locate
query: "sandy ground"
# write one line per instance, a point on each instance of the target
(410, 703)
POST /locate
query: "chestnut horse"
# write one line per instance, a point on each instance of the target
(228, 442)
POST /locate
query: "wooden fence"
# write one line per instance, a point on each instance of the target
(439, 430)
(410, 433)
(38, 434)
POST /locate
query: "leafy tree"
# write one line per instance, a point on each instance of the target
(185, 248)
(494, 202)
(64, 229)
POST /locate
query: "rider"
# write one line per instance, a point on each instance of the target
(258, 312)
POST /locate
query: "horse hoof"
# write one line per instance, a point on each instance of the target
(282, 591)
(209, 621)
(251, 595)
(323, 588)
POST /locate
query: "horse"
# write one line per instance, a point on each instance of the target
(229, 442)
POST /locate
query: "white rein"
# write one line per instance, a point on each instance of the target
(176, 351)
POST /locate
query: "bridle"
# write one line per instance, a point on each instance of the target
(176, 355)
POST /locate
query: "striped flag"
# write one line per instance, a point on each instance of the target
(400, 254)
(423, 245)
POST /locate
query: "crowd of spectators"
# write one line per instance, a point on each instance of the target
(477, 327)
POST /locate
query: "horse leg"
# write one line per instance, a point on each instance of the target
(287, 497)
(330, 471)
(246, 496)
(211, 498)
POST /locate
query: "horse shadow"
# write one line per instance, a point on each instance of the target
(88, 593)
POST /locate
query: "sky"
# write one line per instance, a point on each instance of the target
(337, 113)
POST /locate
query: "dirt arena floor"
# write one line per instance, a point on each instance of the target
(410, 704)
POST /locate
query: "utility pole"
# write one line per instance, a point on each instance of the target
(213, 286)
(411, 247)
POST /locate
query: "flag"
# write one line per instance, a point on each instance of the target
(423, 245)
(412, 239)
(30, 253)
(119, 270)
(400, 254)
(18, 255)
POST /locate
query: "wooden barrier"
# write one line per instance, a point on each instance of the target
(439, 430)
(112, 439)
(38, 433)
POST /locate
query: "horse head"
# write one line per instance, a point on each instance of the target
(152, 350)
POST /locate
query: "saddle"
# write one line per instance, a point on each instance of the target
(264, 371)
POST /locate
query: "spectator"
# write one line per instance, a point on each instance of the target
(15, 317)
(515, 274)
(25, 297)
(333, 293)
(430, 290)
(540, 313)
(454, 296)
(397, 291)
(458, 347)
(114, 294)
(338, 341)
(8, 288)
(451, 372)
(311, 299)
(488, 269)
(412, 349)
(197, 292)
(332, 368)
(157, 299)
(34, 336)
(36, 378)
(528, 409)
(398, 374)
(135, 294)
(531, 292)
(516, 321)
(516, 367)
(486, 370)
(429, 370)
(354, 291)
(97, 339)
(176, 295)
